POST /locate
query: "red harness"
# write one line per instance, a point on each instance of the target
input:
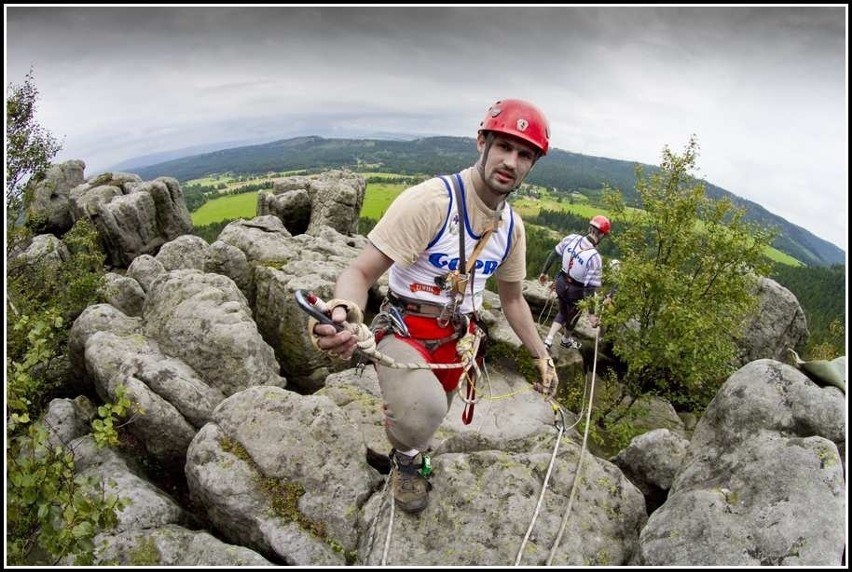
(424, 329)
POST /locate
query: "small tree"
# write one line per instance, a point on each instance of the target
(685, 287)
(53, 513)
(29, 147)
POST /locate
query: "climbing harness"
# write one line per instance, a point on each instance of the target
(557, 409)
(375, 355)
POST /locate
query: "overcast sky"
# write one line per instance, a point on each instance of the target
(763, 88)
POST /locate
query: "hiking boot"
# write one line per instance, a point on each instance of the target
(570, 343)
(409, 487)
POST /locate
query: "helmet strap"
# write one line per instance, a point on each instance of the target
(483, 158)
(594, 235)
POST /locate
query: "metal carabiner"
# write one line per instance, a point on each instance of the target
(397, 322)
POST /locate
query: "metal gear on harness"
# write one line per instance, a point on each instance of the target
(468, 350)
(367, 349)
(426, 467)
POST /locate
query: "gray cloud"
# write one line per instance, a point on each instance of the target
(762, 88)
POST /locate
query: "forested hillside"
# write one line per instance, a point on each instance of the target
(822, 293)
(560, 170)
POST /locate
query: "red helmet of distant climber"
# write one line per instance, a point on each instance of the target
(601, 223)
(520, 119)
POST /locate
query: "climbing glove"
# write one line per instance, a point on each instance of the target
(549, 380)
(354, 323)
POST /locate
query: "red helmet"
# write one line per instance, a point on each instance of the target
(601, 223)
(520, 119)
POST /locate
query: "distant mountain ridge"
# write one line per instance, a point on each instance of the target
(561, 170)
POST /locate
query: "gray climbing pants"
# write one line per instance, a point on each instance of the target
(415, 402)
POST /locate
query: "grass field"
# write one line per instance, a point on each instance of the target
(380, 195)
(226, 208)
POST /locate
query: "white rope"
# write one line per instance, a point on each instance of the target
(573, 494)
(549, 305)
(390, 528)
(543, 489)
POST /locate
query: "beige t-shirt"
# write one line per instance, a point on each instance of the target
(418, 213)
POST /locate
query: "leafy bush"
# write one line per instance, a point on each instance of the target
(51, 512)
(684, 287)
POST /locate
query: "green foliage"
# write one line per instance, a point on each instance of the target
(611, 429)
(29, 147)
(104, 429)
(51, 512)
(821, 291)
(834, 344)
(688, 264)
(39, 293)
(25, 391)
(365, 225)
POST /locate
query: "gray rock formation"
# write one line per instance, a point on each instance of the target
(283, 477)
(132, 217)
(306, 203)
(762, 483)
(48, 210)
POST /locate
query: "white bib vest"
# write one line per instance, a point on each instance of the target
(441, 256)
(580, 260)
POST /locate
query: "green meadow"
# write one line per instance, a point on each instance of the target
(380, 195)
(226, 208)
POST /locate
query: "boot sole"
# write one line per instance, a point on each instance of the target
(409, 508)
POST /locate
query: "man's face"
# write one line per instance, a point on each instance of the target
(508, 162)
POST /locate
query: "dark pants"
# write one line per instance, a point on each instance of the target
(568, 293)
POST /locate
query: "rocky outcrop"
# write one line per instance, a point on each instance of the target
(132, 217)
(298, 477)
(651, 461)
(762, 482)
(778, 324)
(307, 203)
(48, 208)
(205, 320)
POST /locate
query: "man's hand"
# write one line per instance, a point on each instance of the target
(341, 344)
(543, 278)
(594, 321)
(549, 380)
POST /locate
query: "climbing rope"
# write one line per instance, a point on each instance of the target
(587, 406)
(573, 494)
(467, 347)
(561, 426)
(548, 306)
(390, 528)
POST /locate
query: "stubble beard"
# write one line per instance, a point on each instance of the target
(502, 189)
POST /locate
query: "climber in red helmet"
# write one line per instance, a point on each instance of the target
(579, 276)
(438, 291)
